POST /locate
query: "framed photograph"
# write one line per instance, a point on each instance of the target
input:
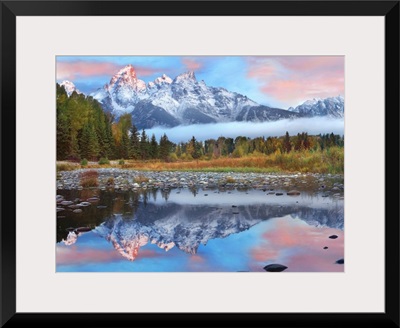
(200, 167)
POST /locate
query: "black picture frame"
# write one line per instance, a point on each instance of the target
(11, 9)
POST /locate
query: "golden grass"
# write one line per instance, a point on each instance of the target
(327, 161)
(66, 166)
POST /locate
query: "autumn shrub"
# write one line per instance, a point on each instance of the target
(172, 157)
(229, 179)
(89, 179)
(104, 161)
(141, 178)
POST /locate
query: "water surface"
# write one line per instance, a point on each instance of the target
(184, 230)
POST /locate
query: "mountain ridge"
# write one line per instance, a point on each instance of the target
(184, 100)
(331, 107)
(180, 101)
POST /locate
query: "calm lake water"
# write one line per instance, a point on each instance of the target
(199, 231)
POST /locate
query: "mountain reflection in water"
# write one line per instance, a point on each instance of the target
(188, 226)
(185, 222)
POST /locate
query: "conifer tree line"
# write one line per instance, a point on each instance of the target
(85, 131)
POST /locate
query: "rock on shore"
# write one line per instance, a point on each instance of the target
(123, 179)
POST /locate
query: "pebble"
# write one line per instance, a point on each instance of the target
(66, 202)
(275, 268)
(83, 229)
(166, 180)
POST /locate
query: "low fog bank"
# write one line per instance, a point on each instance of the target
(312, 126)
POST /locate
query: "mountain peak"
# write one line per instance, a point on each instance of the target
(186, 76)
(69, 87)
(164, 79)
(331, 106)
(126, 86)
(126, 73)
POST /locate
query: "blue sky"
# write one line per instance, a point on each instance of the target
(279, 81)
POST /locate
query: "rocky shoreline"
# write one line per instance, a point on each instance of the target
(125, 180)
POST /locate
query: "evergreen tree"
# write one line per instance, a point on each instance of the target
(134, 142)
(299, 142)
(101, 132)
(144, 146)
(110, 144)
(306, 141)
(153, 149)
(63, 136)
(124, 149)
(178, 150)
(198, 150)
(230, 145)
(287, 146)
(164, 148)
(195, 148)
(222, 149)
(89, 146)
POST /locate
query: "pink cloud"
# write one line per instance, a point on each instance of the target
(197, 263)
(148, 253)
(75, 255)
(299, 246)
(312, 63)
(72, 70)
(261, 254)
(79, 69)
(147, 71)
(196, 258)
(72, 255)
(192, 64)
(294, 79)
(261, 67)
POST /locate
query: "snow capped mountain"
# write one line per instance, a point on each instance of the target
(185, 100)
(123, 91)
(164, 79)
(182, 100)
(188, 226)
(69, 87)
(332, 107)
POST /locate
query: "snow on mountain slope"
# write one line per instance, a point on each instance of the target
(123, 91)
(182, 100)
(69, 87)
(332, 107)
(185, 100)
